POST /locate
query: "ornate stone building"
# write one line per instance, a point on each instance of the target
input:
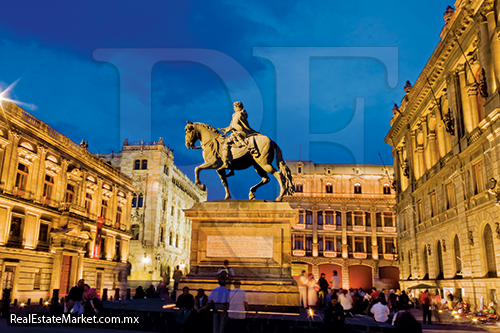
(64, 213)
(346, 223)
(161, 232)
(445, 143)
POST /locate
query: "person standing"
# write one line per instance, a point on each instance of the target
(202, 310)
(219, 297)
(238, 304)
(302, 283)
(334, 316)
(335, 281)
(403, 301)
(312, 294)
(425, 300)
(177, 280)
(346, 302)
(323, 290)
(185, 303)
(393, 300)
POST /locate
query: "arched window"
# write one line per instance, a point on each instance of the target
(299, 169)
(458, 261)
(135, 229)
(177, 240)
(440, 272)
(299, 188)
(171, 239)
(387, 189)
(357, 188)
(144, 164)
(489, 249)
(137, 164)
(134, 200)
(141, 201)
(329, 188)
(161, 235)
(426, 265)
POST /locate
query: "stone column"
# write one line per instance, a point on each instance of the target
(82, 190)
(110, 247)
(427, 163)
(315, 233)
(42, 153)
(79, 270)
(62, 181)
(345, 274)
(373, 212)
(114, 204)
(485, 55)
(98, 197)
(10, 166)
(466, 107)
(125, 250)
(472, 91)
(345, 252)
(56, 269)
(494, 46)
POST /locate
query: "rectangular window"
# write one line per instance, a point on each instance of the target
(338, 244)
(450, 196)
(299, 188)
(329, 188)
(380, 245)
(8, 277)
(22, 176)
(357, 189)
(368, 244)
(309, 217)
(405, 222)
(43, 235)
(359, 244)
(103, 248)
(420, 212)
(37, 279)
(118, 217)
(301, 216)
(478, 173)
(387, 189)
(368, 219)
(350, 248)
(338, 218)
(388, 220)
(329, 243)
(320, 243)
(104, 208)
(309, 242)
(165, 169)
(329, 217)
(378, 218)
(88, 202)
(434, 210)
(358, 218)
(15, 232)
(320, 218)
(70, 193)
(172, 209)
(349, 218)
(389, 245)
(48, 187)
(298, 242)
(164, 205)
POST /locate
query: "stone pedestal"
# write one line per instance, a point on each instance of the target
(255, 236)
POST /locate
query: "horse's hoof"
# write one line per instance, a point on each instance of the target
(201, 186)
(279, 199)
(251, 196)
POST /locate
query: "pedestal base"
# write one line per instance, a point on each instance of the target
(255, 236)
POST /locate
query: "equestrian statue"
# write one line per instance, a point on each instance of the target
(238, 147)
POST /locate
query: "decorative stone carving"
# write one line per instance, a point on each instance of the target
(443, 243)
(471, 238)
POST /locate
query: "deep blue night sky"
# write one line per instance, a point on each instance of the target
(50, 47)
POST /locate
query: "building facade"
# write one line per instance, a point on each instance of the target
(161, 233)
(346, 223)
(445, 143)
(64, 213)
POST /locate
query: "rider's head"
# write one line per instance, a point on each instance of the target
(238, 106)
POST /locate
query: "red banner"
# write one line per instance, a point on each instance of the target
(97, 243)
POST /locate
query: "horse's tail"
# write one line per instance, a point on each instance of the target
(285, 172)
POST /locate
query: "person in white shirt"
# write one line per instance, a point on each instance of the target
(303, 289)
(238, 304)
(380, 311)
(346, 302)
(220, 298)
(335, 281)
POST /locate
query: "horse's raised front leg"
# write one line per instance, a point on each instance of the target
(223, 178)
(197, 170)
(265, 179)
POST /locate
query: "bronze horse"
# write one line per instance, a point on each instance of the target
(211, 142)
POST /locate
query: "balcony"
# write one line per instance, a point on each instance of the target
(329, 227)
(16, 242)
(299, 253)
(389, 229)
(299, 226)
(359, 228)
(359, 255)
(43, 246)
(330, 254)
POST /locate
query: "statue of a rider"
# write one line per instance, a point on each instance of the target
(240, 131)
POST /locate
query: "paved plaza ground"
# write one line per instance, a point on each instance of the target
(449, 323)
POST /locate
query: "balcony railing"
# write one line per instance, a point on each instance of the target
(359, 255)
(43, 246)
(299, 253)
(330, 254)
(300, 226)
(359, 228)
(329, 227)
(389, 229)
(15, 242)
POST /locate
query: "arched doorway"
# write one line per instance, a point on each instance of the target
(489, 249)
(328, 270)
(360, 276)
